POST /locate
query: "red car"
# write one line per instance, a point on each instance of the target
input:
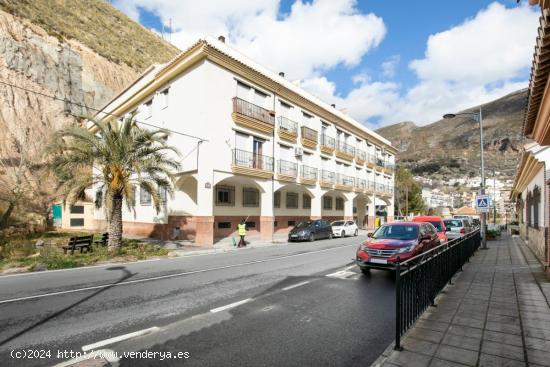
(437, 223)
(399, 239)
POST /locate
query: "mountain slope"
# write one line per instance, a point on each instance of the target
(451, 146)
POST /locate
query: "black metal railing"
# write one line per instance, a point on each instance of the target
(328, 141)
(309, 134)
(371, 186)
(360, 184)
(242, 158)
(345, 148)
(288, 125)
(327, 176)
(287, 168)
(371, 158)
(360, 155)
(254, 111)
(420, 279)
(308, 173)
(380, 161)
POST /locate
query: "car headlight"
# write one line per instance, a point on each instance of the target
(363, 247)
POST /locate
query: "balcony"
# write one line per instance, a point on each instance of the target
(288, 129)
(287, 171)
(251, 164)
(252, 116)
(328, 144)
(379, 163)
(345, 151)
(360, 157)
(390, 167)
(309, 137)
(308, 175)
(370, 187)
(384, 190)
(371, 160)
(327, 179)
(344, 182)
(360, 185)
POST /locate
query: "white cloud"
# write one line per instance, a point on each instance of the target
(388, 66)
(470, 64)
(311, 38)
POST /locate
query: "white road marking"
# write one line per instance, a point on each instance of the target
(106, 354)
(295, 285)
(168, 276)
(231, 305)
(344, 274)
(119, 338)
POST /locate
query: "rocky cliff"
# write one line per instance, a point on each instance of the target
(451, 146)
(61, 48)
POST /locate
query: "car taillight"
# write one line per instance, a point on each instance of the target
(462, 230)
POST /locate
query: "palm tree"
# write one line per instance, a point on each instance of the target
(114, 158)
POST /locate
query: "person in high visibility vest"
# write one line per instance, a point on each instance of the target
(242, 232)
(377, 222)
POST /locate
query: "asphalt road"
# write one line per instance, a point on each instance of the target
(300, 304)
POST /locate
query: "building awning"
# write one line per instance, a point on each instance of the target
(527, 169)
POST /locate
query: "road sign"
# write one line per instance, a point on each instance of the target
(482, 203)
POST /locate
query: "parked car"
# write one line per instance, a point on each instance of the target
(391, 241)
(311, 230)
(343, 228)
(437, 222)
(457, 228)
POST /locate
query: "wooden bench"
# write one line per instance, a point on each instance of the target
(104, 239)
(81, 242)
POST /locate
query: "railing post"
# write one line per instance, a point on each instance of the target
(398, 306)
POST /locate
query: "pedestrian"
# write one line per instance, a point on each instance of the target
(242, 232)
(377, 222)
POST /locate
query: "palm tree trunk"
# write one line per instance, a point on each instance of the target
(115, 224)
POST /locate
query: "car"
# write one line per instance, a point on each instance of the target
(393, 242)
(457, 228)
(310, 230)
(437, 223)
(343, 228)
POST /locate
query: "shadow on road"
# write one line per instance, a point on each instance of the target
(126, 275)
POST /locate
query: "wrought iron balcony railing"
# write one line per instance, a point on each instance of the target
(251, 110)
(288, 125)
(287, 168)
(309, 134)
(308, 173)
(327, 176)
(360, 155)
(328, 141)
(345, 180)
(345, 148)
(242, 158)
(360, 184)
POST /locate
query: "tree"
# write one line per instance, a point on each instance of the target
(112, 157)
(409, 193)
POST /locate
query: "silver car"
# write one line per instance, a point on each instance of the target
(457, 227)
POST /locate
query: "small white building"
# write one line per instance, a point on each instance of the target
(254, 145)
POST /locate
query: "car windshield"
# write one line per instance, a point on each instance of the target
(437, 226)
(397, 232)
(453, 223)
(338, 223)
(303, 224)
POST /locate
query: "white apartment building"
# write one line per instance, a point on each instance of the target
(253, 145)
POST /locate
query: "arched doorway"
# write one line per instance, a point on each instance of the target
(291, 205)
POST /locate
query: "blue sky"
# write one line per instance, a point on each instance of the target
(384, 33)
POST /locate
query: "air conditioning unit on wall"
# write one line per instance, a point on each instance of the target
(298, 152)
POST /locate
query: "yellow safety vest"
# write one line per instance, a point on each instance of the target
(242, 229)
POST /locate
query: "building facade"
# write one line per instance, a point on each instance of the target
(253, 146)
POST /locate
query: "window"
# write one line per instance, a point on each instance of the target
(77, 209)
(291, 223)
(243, 91)
(250, 224)
(306, 201)
(144, 196)
(162, 194)
(339, 204)
(164, 95)
(224, 224)
(306, 118)
(77, 222)
(225, 195)
(327, 202)
(291, 200)
(277, 199)
(148, 108)
(251, 197)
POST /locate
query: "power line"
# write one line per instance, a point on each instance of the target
(96, 110)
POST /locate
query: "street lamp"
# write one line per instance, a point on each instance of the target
(478, 117)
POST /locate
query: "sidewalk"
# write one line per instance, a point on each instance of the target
(496, 313)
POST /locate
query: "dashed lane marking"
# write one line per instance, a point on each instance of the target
(295, 285)
(231, 305)
(119, 338)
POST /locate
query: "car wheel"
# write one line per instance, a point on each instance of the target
(330, 236)
(311, 237)
(365, 271)
(356, 232)
(343, 234)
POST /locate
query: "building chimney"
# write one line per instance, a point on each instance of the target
(221, 39)
(282, 74)
(333, 105)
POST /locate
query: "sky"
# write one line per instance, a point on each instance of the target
(383, 61)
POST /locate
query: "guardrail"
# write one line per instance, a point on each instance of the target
(420, 279)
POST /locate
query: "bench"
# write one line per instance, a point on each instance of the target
(104, 239)
(81, 242)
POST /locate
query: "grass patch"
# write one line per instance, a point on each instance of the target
(20, 252)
